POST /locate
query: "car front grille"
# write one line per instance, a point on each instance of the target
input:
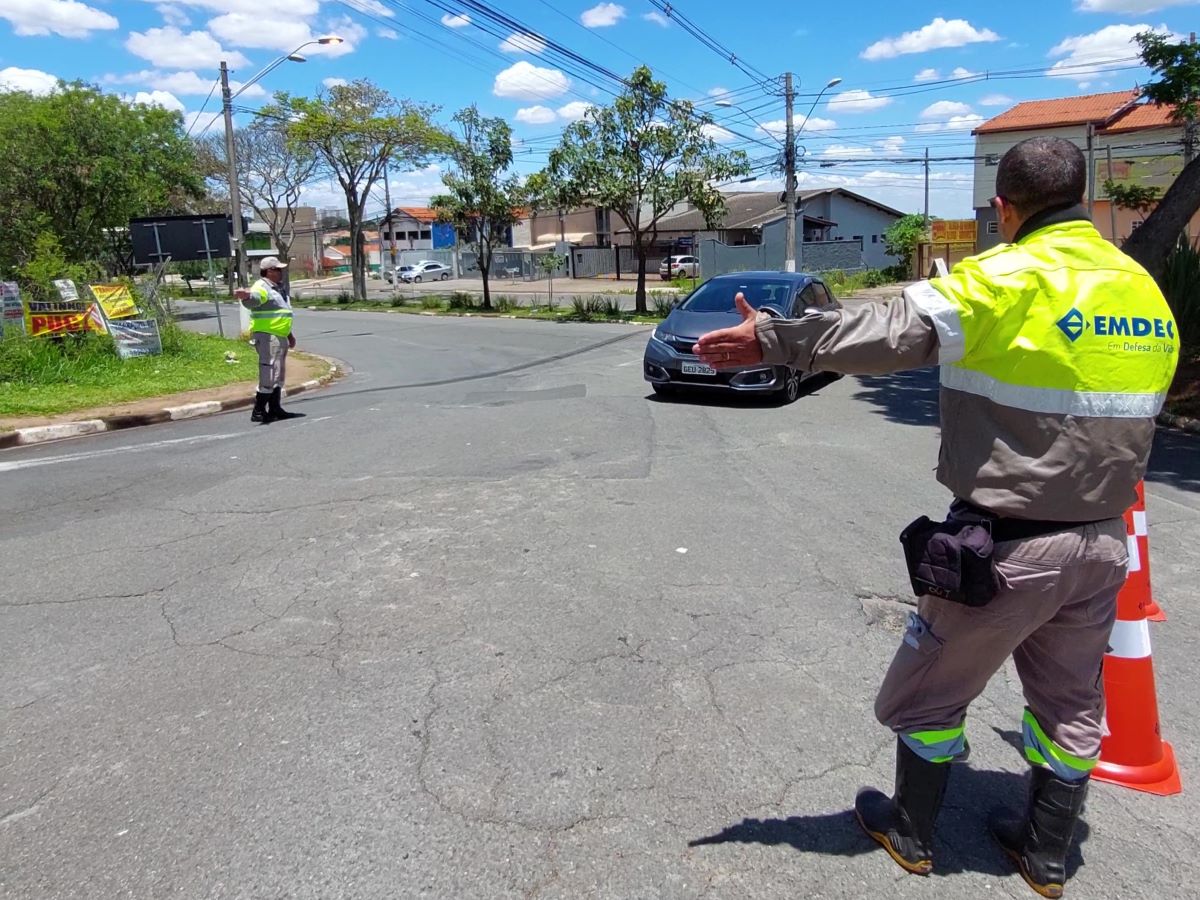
(680, 345)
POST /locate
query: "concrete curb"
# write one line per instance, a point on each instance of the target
(40, 434)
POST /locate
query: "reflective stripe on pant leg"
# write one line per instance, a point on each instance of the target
(937, 746)
(281, 365)
(1041, 751)
(265, 347)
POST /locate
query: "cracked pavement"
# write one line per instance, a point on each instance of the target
(442, 641)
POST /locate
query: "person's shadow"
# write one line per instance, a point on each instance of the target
(961, 841)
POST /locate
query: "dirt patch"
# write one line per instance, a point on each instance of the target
(301, 367)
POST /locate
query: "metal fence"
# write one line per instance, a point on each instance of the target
(717, 258)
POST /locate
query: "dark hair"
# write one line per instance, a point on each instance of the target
(1042, 172)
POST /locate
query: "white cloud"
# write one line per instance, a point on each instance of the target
(892, 146)
(207, 122)
(170, 48)
(716, 133)
(719, 93)
(518, 42)
(603, 15)
(1084, 54)
(960, 72)
(66, 18)
(658, 19)
(846, 151)
(525, 81)
(857, 101)
(244, 29)
(35, 81)
(816, 123)
(388, 34)
(927, 75)
(937, 35)
(334, 82)
(997, 100)
(958, 122)
(165, 99)
(777, 128)
(173, 15)
(181, 84)
(575, 110)
(372, 7)
(943, 109)
(462, 20)
(1127, 6)
(535, 115)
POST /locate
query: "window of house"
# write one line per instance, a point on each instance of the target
(874, 239)
(993, 227)
(857, 237)
(426, 235)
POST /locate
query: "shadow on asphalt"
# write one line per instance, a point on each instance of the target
(1175, 460)
(910, 398)
(961, 844)
(733, 400)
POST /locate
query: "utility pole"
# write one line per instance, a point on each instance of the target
(1091, 159)
(789, 165)
(926, 187)
(1112, 207)
(391, 224)
(235, 195)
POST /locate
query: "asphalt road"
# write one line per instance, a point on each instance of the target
(492, 622)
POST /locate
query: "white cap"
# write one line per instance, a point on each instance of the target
(270, 262)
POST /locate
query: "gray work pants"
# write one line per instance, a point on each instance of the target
(1054, 613)
(272, 361)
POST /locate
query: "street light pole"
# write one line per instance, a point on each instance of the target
(235, 194)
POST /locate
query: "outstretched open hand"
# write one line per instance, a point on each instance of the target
(730, 348)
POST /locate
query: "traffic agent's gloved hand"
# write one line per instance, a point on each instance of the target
(291, 342)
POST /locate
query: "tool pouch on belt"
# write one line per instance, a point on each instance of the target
(952, 560)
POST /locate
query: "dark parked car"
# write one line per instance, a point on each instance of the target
(670, 364)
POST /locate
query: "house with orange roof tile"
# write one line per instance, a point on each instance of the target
(1143, 141)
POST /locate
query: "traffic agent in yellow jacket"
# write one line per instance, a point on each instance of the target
(1056, 351)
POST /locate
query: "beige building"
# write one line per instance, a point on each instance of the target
(1146, 147)
(586, 227)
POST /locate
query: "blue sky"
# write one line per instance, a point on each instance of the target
(911, 79)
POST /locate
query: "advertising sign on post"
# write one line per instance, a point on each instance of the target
(135, 337)
(13, 309)
(116, 299)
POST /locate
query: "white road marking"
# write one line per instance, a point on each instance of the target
(16, 465)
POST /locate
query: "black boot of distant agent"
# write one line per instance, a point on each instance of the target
(275, 410)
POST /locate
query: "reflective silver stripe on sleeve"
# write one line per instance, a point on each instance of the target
(1053, 401)
(929, 300)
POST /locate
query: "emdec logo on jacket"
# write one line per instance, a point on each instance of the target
(1074, 324)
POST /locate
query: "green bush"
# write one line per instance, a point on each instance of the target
(663, 305)
(431, 301)
(397, 302)
(460, 300)
(1181, 287)
(582, 309)
(505, 304)
(612, 308)
(345, 298)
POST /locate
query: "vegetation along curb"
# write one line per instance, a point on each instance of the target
(41, 434)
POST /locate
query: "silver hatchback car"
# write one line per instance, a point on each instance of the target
(670, 363)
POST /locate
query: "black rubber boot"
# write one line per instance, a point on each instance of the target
(903, 825)
(260, 408)
(1039, 843)
(275, 408)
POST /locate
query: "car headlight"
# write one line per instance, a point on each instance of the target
(663, 336)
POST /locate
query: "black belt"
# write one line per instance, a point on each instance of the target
(1009, 529)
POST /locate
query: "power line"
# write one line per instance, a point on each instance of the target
(709, 41)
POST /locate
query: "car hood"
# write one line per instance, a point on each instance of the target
(687, 324)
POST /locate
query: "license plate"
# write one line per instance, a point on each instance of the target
(698, 369)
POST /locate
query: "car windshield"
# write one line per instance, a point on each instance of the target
(717, 295)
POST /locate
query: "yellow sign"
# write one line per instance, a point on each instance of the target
(953, 231)
(116, 300)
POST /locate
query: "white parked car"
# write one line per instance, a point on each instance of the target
(679, 266)
(426, 270)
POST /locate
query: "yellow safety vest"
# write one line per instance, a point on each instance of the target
(269, 316)
(1061, 322)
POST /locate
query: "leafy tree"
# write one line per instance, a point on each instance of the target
(551, 263)
(272, 171)
(1137, 197)
(355, 131)
(78, 164)
(903, 236)
(481, 202)
(639, 157)
(1176, 68)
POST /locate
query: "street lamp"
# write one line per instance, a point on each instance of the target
(789, 160)
(235, 199)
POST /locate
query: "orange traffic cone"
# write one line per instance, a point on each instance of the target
(1132, 751)
(1139, 555)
